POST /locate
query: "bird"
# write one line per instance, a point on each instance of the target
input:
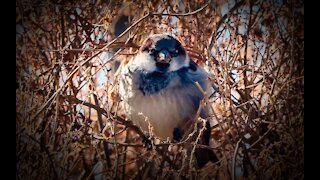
(160, 91)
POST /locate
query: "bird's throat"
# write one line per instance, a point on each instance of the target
(154, 82)
(162, 67)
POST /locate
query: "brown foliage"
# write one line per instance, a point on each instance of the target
(69, 123)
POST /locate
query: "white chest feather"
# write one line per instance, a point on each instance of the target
(162, 112)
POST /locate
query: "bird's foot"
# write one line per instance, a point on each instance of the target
(147, 143)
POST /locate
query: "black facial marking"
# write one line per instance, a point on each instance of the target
(153, 52)
(163, 67)
(170, 44)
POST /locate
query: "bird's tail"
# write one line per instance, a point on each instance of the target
(204, 155)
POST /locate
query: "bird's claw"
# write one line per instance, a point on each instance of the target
(147, 143)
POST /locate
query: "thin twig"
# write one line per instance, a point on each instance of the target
(119, 143)
(115, 45)
(48, 154)
(233, 172)
(245, 59)
(261, 137)
(83, 63)
(100, 125)
(124, 159)
(116, 164)
(183, 14)
(236, 6)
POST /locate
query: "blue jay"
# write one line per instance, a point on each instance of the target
(158, 89)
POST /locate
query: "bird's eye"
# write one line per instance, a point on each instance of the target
(152, 51)
(175, 53)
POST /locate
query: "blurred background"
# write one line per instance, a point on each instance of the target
(69, 123)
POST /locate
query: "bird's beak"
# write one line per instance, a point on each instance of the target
(164, 57)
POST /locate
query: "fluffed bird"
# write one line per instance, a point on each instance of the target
(158, 88)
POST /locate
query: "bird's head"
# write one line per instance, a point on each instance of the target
(161, 53)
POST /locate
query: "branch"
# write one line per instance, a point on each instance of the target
(48, 154)
(83, 63)
(184, 14)
(100, 125)
(236, 6)
(115, 45)
(105, 113)
(233, 172)
(245, 80)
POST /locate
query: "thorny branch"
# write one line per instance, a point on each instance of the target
(65, 56)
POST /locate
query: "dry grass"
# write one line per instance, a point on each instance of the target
(69, 123)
